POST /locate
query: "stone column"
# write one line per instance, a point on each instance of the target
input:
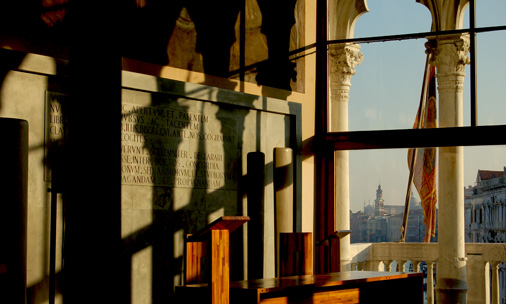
(372, 265)
(343, 58)
(389, 265)
(430, 282)
(449, 55)
(478, 276)
(496, 288)
(283, 199)
(416, 266)
(283, 184)
(401, 265)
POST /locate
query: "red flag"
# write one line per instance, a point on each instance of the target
(424, 170)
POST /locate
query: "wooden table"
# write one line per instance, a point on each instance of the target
(341, 287)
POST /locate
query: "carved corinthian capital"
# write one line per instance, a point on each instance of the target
(449, 54)
(343, 59)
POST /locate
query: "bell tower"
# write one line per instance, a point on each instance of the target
(379, 209)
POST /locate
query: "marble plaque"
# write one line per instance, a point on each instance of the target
(175, 147)
(54, 129)
(164, 146)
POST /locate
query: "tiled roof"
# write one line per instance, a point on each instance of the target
(486, 174)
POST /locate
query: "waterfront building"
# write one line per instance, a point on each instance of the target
(384, 225)
(485, 208)
(485, 216)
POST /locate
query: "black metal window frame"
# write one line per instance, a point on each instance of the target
(473, 135)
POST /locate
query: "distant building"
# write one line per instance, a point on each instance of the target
(485, 213)
(379, 210)
(358, 226)
(395, 209)
(395, 222)
(485, 208)
(369, 210)
(377, 229)
(416, 228)
(382, 223)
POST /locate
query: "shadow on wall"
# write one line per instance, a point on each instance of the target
(219, 38)
(26, 25)
(169, 223)
(176, 33)
(197, 184)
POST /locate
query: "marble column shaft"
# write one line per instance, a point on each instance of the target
(449, 55)
(343, 59)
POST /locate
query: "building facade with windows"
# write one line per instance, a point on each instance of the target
(384, 224)
(486, 208)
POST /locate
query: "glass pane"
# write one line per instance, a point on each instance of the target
(378, 185)
(383, 175)
(485, 198)
(372, 168)
(490, 13)
(386, 89)
(393, 17)
(385, 92)
(491, 78)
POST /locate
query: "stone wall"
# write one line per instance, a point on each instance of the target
(184, 159)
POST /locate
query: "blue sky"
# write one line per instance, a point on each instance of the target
(385, 93)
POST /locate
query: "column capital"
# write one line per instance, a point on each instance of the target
(495, 264)
(416, 265)
(388, 265)
(343, 59)
(449, 54)
(430, 263)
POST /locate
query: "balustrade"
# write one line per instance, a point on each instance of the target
(485, 266)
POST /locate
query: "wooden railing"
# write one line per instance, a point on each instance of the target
(485, 266)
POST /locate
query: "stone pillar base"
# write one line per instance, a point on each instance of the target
(451, 291)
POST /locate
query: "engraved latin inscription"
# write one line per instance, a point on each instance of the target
(163, 146)
(170, 147)
(54, 130)
(54, 116)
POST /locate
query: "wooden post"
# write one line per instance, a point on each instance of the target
(196, 253)
(217, 237)
(220, 266)
(331, 245)
(296, 253)
(324, 160)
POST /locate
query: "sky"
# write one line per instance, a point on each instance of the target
(385, 94)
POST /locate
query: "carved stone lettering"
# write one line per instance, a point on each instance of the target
(161, 146)
(54, 130)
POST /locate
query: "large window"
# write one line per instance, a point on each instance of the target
(385, 95)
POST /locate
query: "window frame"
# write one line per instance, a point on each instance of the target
(473, 135)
